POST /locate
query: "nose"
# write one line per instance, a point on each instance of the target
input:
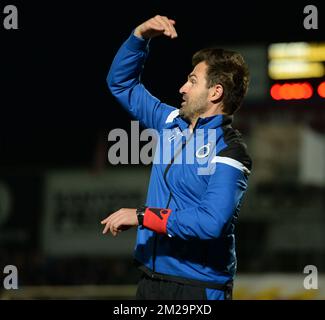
(182, 90)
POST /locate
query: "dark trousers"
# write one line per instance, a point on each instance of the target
(155, 289)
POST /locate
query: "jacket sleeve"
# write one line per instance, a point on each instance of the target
(208, 220)
(124, 83)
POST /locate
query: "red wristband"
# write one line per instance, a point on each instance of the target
(155, 219)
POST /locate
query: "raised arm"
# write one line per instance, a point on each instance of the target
(124, 75)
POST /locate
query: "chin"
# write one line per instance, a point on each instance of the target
(182, 112)
(187, 117)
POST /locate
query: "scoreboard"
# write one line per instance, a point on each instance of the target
(297, 71)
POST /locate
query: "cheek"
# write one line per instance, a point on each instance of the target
(191, 91)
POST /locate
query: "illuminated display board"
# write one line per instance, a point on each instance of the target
(297, 70)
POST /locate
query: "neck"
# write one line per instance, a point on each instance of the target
(204, 115)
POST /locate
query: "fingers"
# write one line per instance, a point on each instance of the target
(113, 222)
(105, 220)
(156, 26)
(106, 228)
(108, 221)
(120, 220)
(112, 227)
(116, 224)
(167, 24)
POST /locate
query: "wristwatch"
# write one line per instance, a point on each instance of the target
(140, 214)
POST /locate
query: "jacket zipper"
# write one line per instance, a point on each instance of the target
(169, 198)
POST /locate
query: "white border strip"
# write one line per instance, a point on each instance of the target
(172, 116)
(231, 162)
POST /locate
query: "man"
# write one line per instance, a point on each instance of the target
(185, 241)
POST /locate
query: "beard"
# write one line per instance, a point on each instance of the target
(192, 109)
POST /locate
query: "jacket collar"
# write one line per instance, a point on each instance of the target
(212, 122)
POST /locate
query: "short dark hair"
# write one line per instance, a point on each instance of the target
(229, 69)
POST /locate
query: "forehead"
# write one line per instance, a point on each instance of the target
(200, 69)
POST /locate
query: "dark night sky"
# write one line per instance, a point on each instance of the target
(54, 98)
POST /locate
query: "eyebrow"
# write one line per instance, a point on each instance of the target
(191, 75)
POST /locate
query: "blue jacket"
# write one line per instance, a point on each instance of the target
(204, 195)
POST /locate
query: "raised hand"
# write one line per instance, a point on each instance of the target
(156, 26)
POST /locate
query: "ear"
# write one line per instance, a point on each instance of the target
(216, 93)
